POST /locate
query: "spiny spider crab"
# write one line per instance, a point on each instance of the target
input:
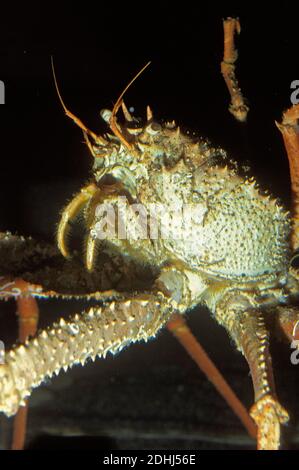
(231, 251)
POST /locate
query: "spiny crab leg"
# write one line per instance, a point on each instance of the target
(247, 327)
(93, 333)
(19, 288)
(290, 134)
(15, 288)
(28, 314)
(178, 327)
(249, 331)
(237, 107)
(175, 325)
(267, 411)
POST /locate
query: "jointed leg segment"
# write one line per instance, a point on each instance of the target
(28, 314)
(93, 333)
(247, 327)
(290, 133)
(238, 108)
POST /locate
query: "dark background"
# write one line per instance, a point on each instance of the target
(150, 395)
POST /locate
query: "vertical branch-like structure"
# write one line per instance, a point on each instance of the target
(290, 132)
(28, 315)
(237, 107)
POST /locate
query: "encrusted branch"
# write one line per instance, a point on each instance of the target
(94, 333)
(237, 107)
(28, 314)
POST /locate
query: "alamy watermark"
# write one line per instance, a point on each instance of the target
(126, 221)
(2, 92)
(295, 342)
(2, 352)
(295, 94)
(294, 358)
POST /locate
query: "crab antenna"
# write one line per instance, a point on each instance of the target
(98, 139)
(113, 125)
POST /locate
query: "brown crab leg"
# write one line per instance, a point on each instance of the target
(288, 322)
(237, 107)
(28, 314)
(12, 289)
(290, 133)
(179, 328)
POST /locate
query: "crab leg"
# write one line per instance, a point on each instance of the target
(288, 321)
(290, 134)
(28, 314)
(13, 289)
(178, 327)
(237, 107)
(247, 327)
(93, 333)
(267, 411)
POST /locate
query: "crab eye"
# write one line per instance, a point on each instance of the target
(153, 128)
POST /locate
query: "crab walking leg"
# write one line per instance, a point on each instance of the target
(267, 411)
(246, 326)
(70, 212)
(178, 327)
(290, 134)
(28, 319)
(93, 333)
(237, 107)
(13, 289)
